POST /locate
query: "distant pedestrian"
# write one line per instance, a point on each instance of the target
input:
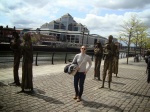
(147, 60)
(81, 59)
(15, 46)
(108, 60)
(27, 51)
(98, 52)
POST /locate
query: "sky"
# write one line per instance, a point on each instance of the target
(102, 17)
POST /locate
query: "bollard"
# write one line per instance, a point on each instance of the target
(53, 58)
(66, 58)
(92, 57)
(36, 59)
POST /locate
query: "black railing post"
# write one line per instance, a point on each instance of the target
(92, 57)
(36, 59)
(66, 58)
(53, 57)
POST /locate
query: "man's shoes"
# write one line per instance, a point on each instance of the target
(101, 87)
(75, 97)
(79, 99)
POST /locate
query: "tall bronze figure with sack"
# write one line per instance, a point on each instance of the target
(27, 74)
(108, 60)
(98, 52)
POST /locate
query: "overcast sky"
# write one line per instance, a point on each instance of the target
(102, 17)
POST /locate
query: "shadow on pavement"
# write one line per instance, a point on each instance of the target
(92, 104)
(1, 106)
(38, 93)
(118, 83)
(131, 93)
(128, 78)
(3, 84)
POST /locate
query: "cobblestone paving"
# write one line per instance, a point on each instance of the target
(54, 93)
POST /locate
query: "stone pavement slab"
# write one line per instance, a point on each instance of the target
(54, 92)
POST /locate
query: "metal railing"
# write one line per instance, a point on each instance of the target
(42, 56)
(46, 57)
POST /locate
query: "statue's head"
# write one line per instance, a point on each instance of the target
(98, 43)
(15, 35)
(27, 37)
(110, 38)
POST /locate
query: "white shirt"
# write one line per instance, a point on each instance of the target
(82, 60)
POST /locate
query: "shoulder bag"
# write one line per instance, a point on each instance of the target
(74, 71)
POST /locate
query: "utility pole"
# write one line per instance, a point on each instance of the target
(87, 38)
(83, 36)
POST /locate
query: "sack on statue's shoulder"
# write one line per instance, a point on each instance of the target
(97, 52)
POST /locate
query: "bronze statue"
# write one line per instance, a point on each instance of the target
(15, 46)
(98, 52)
(27, 51)
(115, 60)
(108, 60)
(147, 60)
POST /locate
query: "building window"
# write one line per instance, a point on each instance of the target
(56, 26)
(62, 26)
(70, 27)
(75, 28)
(76, 40)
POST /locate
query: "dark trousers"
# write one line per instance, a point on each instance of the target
(79, 80)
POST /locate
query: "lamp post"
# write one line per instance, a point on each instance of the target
(1, 31)
(83, 35)
(87, 39)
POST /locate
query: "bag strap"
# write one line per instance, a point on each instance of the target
(82, 61)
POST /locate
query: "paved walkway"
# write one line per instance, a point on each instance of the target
(54, 91)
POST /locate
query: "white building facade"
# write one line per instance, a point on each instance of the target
(66, 29)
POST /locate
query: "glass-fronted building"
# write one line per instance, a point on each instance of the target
(66, 29)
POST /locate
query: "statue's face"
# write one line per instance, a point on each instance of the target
(110, 38)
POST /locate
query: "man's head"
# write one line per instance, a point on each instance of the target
(83, 49)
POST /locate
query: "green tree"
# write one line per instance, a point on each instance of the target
(127, 31)
(134, 31)
(139, 36)
(147, 43)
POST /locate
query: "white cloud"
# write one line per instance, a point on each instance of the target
(34, 13)
(122, 4)
(109, 24)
